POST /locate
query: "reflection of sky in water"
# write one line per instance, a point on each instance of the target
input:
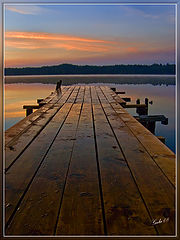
(163, 97)
(17, 95)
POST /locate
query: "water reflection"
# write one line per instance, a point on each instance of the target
(17, 95)
(163, 97)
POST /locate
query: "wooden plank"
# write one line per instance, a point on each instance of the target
(125, 211)
(152, 118)
(87, 96)
(49, 98)
(78, 91)
(80, 212)
(30, 106)
(21, 141)
(126, 99)
(117, 98)
(107, 175)
(22, 125)
(156, 190)
(120, 92)
(151, 148)
(80, 95)
(20, 175)
(113, 97)
(37, 214)
(135, 106)
(160, 153)
(49, 181)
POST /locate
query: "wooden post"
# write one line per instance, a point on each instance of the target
(151, 118)
(138, 109)
(28, 111)
(114, 89)
(146, 101)
(119, 92)
(58, 85)
(151, 126)
(40, 100)
(143, 110)
(138, 101)
(29, 108)
(127, 99)
(165, 121)
(146, 109)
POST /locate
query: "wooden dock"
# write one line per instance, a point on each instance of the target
(82, 165)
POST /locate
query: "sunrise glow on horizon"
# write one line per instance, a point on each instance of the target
(37, 35)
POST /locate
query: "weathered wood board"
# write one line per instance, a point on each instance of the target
(82, 165)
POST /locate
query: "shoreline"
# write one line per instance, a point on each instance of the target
(94, 75)
(89, 79)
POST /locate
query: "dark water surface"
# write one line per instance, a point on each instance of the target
(87, 78)
(163, 97)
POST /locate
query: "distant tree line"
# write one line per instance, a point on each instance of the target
(89, 69)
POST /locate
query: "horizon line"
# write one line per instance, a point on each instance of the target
(101, 65)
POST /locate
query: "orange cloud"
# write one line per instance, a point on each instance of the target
(33, 40)
(50, 36)
(38, 48)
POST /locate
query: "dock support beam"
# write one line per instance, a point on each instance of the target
(114, 89)
(40, 100)
(150, 126)
(120, 92)
(29, 108)
(149, 121)
(29, 111)
(143, 110)
(127, 99)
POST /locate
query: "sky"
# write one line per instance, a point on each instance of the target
(37, 35)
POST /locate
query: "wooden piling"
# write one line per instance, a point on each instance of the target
(114, 89)
(40, 100)
(127, 99)
(144, 109)
(141, 106)
(28, 111)
(29, 108)
(120, 92)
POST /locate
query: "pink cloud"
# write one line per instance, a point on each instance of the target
(50, 36)
(36, 48)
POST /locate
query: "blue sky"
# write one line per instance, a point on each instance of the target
(119, 33)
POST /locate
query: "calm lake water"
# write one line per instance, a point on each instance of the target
(163, 96)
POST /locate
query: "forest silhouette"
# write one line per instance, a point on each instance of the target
(168, 69)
